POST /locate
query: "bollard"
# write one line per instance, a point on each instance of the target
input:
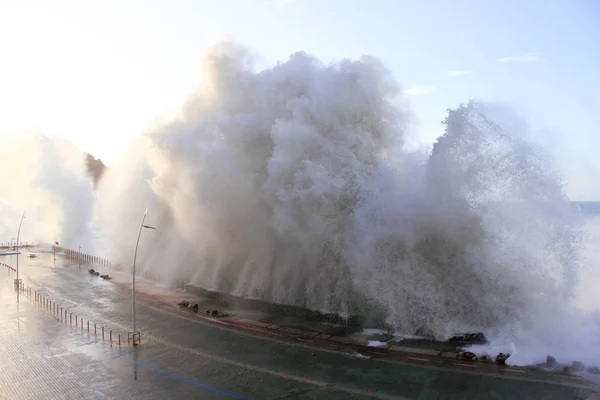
(88, 325)
(76, 319)
(94, 329)
(110, 333)
(70, 319)
(81, 322)
(61, 315)
(119, 340)
(102, 333)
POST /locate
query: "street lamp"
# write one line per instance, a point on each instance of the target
(142, 226)
(11, 246)
(17, 247)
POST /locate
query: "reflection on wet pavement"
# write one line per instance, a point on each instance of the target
(42, 358)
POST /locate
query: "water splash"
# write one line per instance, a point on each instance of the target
(291, 185)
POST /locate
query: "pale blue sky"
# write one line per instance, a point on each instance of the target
(99, 71)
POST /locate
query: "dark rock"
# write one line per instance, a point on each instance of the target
(208, 312)
(193, 307)
(214, 313)
(96, 273)
(91, 271)
(501, 358)
(183, 303)
(550, 361)
(468, 338)
(468, 355)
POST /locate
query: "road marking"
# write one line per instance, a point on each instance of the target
(418, 359)
(160, 371)
(465, 365)
(515, 370)
(281, 374)
(222, 325)
(155, 305)
(223, 359)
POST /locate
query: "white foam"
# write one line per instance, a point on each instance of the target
(376, 343)
(371, 331)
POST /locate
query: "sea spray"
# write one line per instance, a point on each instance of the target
(291, 185)
(47, 178)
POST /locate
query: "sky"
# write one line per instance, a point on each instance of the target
(101, 72)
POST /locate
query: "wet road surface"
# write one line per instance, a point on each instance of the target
(43, 358)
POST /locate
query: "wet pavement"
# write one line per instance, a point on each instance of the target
(44, 358)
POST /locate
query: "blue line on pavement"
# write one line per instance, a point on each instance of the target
(160, 371)
(169, 374)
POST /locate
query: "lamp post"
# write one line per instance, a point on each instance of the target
(142, 226)
(17, 247)
(11, 247)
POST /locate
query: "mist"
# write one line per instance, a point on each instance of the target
(46, 178)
